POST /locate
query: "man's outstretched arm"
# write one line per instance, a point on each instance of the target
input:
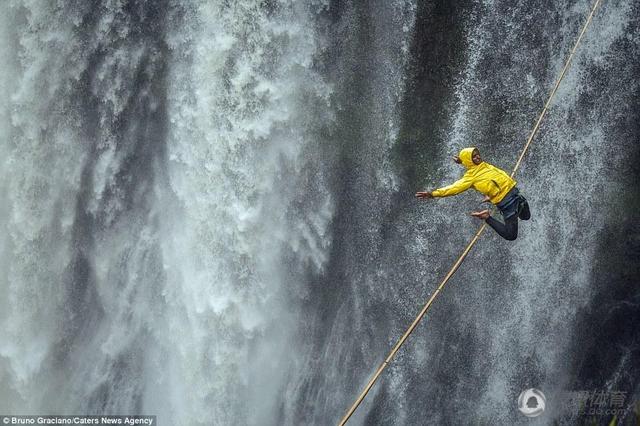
(457, 187)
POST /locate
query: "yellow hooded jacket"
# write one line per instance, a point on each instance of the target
(484, 178)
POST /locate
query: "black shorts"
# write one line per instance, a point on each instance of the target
(510, 204)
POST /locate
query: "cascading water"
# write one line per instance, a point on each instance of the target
(249, 209)
(208, 208)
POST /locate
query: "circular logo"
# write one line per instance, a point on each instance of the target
(531, 402)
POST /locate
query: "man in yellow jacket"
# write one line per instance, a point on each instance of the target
(497, 186)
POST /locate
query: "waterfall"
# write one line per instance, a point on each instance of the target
(208, 210)
(249, 206)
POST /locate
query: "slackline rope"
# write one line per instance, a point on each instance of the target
(475, 238)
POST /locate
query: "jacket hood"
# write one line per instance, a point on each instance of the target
(465, 157)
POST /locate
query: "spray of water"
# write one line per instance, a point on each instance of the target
(207, 209)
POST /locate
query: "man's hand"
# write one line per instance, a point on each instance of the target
(457, 160)
(424, 195)
(485, 199)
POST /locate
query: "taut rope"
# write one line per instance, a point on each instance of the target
(475, 238)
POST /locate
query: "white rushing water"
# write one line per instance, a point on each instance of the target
(207, 206)
(245, 106)
(131, 284)
(42, 160)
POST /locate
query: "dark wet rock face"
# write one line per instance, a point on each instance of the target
(208, 209)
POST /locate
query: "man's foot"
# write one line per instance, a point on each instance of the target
(484, 214)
